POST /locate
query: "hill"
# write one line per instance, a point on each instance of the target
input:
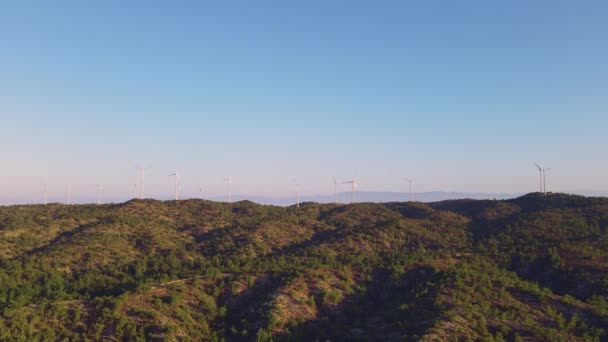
(530, 268)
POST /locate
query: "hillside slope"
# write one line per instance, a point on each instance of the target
(530, 268)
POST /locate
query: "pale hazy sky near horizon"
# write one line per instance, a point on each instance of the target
(463, 95)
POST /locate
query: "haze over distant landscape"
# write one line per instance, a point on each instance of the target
(343, 197)
(463, 96)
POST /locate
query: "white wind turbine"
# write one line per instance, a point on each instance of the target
(177, 183)
(141, 171)
(99, 191)
(410, 180)
(335, 190)
(540, 176)
(68, 198)
(229, 180)
(353, 184)
(200, 188)
(297, 193)
(44, 194)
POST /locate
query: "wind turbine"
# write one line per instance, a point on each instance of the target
(99, 190)
(335, 190)
(297, 194)
(177, 181)
(540, 176)
(68, 199)
(141, 181)
(545, 179)
(353, 184)
(229, 180)
(410, 180)
(201, 190)
(44, 197)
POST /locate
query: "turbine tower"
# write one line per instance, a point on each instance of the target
(545, 179)
(410, 180)
(297, 194)
(201, 190)
(353, 184)
(141, 182)
(335, 190)
(99, 190)
(229, 180)
(44, 197)
(540, 176)
(68, 199)
(177, 181)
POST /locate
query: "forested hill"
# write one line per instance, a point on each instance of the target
(530, 268)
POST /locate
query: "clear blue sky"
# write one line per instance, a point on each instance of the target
(463, 95)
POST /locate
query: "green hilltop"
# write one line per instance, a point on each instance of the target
(530, 268)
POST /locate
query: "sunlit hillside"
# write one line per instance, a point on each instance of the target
(531, 268)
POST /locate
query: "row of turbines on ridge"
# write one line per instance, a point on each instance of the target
(178, 180)
(177, 188)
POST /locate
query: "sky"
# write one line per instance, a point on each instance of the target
(461, 95)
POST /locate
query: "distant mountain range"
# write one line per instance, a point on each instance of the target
(379, 197)
(343, 197)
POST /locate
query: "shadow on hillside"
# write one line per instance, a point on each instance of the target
(568, 310)
(537, 201)
(389, 309)
(335, 228)
(318, 238)
(561, 280)
(66, 236)
(340, 219)
(412, 210)
(519, 233)
(247, 311)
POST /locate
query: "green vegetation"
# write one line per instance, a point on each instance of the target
(531, 268)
